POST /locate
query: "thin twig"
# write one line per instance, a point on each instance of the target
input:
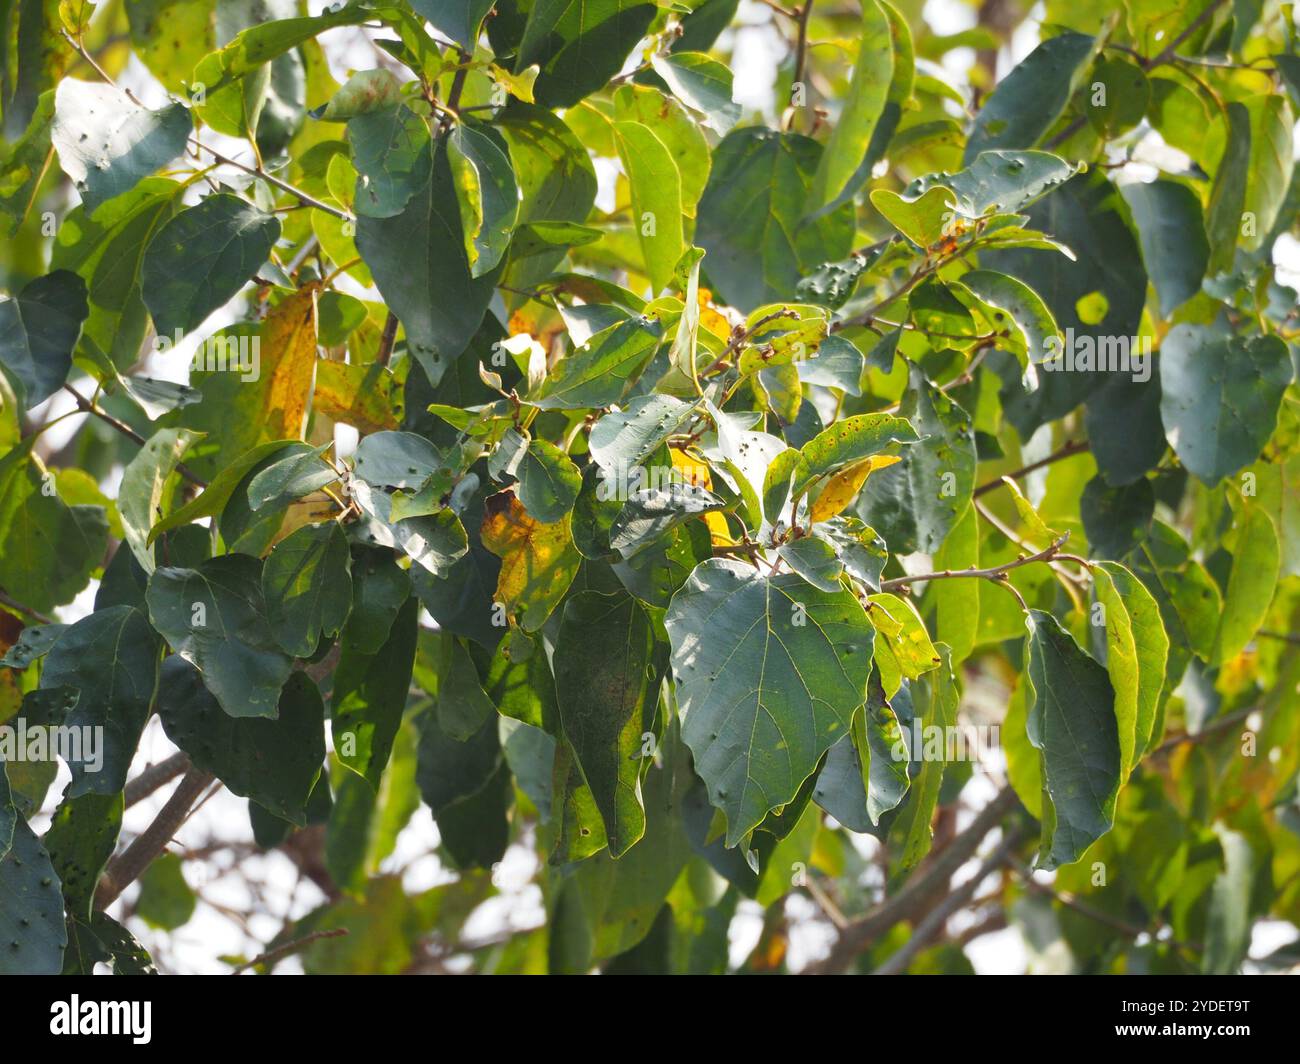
(996, 573)
(1072, 448)
(86, 406)
(27, 611)
(272, 956)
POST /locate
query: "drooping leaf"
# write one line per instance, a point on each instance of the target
(1219, 397)
(769, 672)
(607, 699)
(307, 587)
(39, 328)
(1072, 723)
(214, 616)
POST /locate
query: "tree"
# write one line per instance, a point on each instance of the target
(868, 509)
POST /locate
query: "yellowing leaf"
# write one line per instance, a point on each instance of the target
(1029, 516)
(697, 473)
(366, 397)
(538, 562)
(844, 486)
(288, 359)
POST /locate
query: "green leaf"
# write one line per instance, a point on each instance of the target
(815, 560)
(864, 777)
(1271, 164)
(80, 840)
(863, 106)
(1256, 562)
(751, 218)
(107, 249)
(651, 512)
(391, 151)
(703, 84)
(201, 258)
(607, 697)
(38, 332)
(1115, 519)
(998, 181)
(769, 671)
(1086, 213)
(31, 905)
(166, 901)
(1137, 649)
(598, 373)
(459, 20)
(486, 194)
(846, 442)
(144, 488)
(906, 651)
(273, 762)
(657, 204)
(622, 439)
(214, 498)
(467, 785)
(1220, 397)
(104, 941)
(1029, 100)
(307, 586)
(548, 482)
(957, 602)
(259, 44)
(579, 44)
(47, 548)
(370, 692)
(214, 616)
(915, 503)
(111, 658)
(1172, 231)
(1227, 932)
(1228, 198)
(935, 700)
(107, 143)
(366, 91)
(419, 264)
(1072, 722)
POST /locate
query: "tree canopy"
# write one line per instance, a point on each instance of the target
(776, 509)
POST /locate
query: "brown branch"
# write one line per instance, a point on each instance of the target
(130, 865)
(935, 919)
(155, 776)
(1065, 451)
(387, 339)
(907, 903)
(26, 611)
(1196, 23)
(997, 573)
(87, 407)
(1209, 731)
(273, 956)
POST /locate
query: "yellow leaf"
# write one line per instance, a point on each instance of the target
(844, 486)
(695, 472)
(366, 397)
(538, 562)
(288, 360)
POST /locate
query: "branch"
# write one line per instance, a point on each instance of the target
(1072, 448)
(1174, 45)
(997, 573)
(272, 956)
(26, 611)
(938, 916)
(86, 406)
(906, 904)
(155, 776)
(130, 865)
(801, 45)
